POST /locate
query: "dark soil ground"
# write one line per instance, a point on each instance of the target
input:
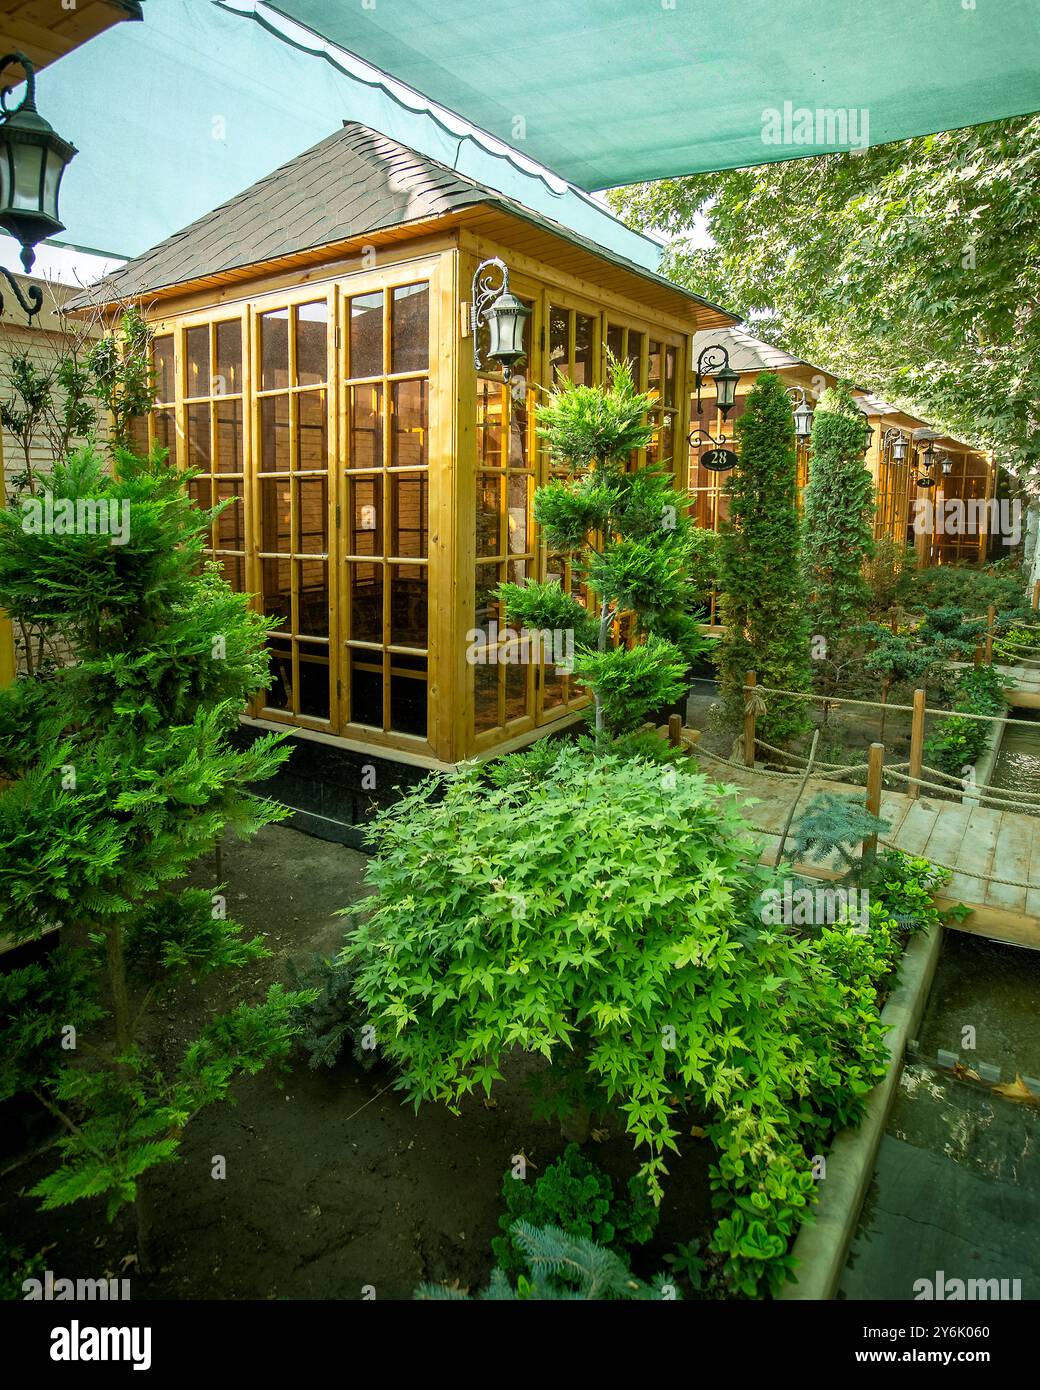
(332, 1185)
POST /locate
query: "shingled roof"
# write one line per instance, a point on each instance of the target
(355, 182)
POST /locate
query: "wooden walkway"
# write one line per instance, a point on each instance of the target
(972, 839)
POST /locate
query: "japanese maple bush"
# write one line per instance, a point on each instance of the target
(605, 913)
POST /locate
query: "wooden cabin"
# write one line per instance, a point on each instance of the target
(960, 472)
(314, 362)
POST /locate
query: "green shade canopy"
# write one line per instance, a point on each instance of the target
(608, 92)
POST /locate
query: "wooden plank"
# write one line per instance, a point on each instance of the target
(917, 826)
(976, 854)
(1011, 860)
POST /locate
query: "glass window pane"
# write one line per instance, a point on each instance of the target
(279, 692)
(228, 379)
(200, 490)
(669, 376)
(312, 580)
(366, 515)
(584, 335)
(366, 603)
(229, 436)
(516, 691)
(274, 434)
(519, 492)
(274, 514)
(409, 414)
(410, 329)
(313, 450)
(408, 695)
(231, 527)
(165, 375)
(366, 689)
(366, 335)
(166, 433)
(366, 427)
(409, 606)
(559, 326)
(485, 696)
(616, 340)
(490, 406)
(653, 367)
(312, 515)
(311, 343)
(314, 680)
(486, 606)
(274, 350)
(198, 438)
(196, 342)
(489, 513)
(277, 593)
(635, 352)
(409, 514)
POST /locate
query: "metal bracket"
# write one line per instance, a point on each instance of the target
(485, 292)
(31, 305)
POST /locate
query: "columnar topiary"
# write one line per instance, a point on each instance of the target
(630, 540)
(762, 603)
(837, 534)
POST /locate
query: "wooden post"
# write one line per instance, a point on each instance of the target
(1036, 594)
(750, 680)
(913, 789)
(991, 618)
(675, 730)
(875, 772)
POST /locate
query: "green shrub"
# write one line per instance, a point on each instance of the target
(331, 1020)
(608, 917)
(564, 1267)
(578, 1197)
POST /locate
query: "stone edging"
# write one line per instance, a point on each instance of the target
(822, 1245)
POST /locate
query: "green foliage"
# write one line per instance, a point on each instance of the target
(910, 273)
(631, 543)
(966, 587)
(832, 824)
(15, 1268)
(122, 374)
(890, 574)
(586, 915)
(957, 743)
(837, 529)
(333, 1019)
(120, 774)
(762, 600)
(564, 1268)
(902, 887)
(949, 625)
(632, 684)
(577, 1197)
(584, 425)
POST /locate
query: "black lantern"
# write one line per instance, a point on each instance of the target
(33, 157)
(32, 160)
(868, 434)
(504, 314)
(714, 362)
(946, 463)
(925, 461)
(897, 441)
(803, 412)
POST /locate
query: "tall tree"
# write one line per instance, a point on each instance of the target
(762, 599)
(837, 535)
(912, 266)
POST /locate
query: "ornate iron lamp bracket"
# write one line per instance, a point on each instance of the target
(485, 292)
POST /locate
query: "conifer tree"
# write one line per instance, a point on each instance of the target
(837, 535)
(762, 604)
(116, 773)
(630, 540)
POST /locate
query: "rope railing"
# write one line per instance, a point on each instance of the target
(697, 748)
